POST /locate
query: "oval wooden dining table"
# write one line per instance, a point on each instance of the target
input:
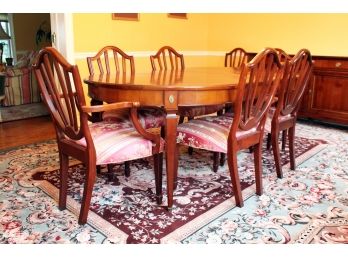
(167, 89)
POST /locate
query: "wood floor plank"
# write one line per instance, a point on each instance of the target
(16, 133)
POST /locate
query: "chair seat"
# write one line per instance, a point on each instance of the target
(193, 111)
(149, 117)
(268, 124)
(209, 133)
(118, 142)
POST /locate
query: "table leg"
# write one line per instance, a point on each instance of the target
(171, 160)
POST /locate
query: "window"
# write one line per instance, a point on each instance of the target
(7, 43)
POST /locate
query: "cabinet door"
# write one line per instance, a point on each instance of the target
(327, 97)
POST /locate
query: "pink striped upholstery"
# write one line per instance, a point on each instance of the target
(268, 125)
(209, 133)
(118, 142)
(148, 117)
(20, 87)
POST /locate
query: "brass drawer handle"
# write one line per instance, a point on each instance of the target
(338, 64)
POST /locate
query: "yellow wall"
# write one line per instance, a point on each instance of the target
(25, 27)
(322, 34)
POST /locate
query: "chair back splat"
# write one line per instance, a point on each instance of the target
(236, 58)
(167, 58)
(111, 59)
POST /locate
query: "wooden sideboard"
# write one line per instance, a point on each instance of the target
(326, 96)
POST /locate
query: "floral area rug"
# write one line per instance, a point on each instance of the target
(24, 111)
(123, 210)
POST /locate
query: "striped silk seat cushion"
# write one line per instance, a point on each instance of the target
(268, 125)
(149, 117)
(118, 142)
(209, 133)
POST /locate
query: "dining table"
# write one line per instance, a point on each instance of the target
(168, 89)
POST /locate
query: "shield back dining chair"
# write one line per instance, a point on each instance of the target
(96, 143)
(283, 117)
(258, 82)
(113, 60)
(283, 57)
(236, 58)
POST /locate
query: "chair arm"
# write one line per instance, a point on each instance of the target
(110, 107)
(155, 139)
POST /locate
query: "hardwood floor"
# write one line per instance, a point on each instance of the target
(16, 133)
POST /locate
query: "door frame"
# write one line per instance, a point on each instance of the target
(62, 35)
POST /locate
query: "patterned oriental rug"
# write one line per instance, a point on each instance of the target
(309, 205)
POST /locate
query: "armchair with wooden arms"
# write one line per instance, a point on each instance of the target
(96, 143)
(111, 59)
(258, 82)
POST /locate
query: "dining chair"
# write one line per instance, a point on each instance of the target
(297, 73)
(283, 57)
(167, 58)
(235, 58)
(112, 60)
(258, 82)
(96, 143)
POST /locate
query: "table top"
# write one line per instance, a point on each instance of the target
(200, 78)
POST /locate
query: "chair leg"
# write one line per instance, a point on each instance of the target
(176, 158)
(110, 168)
(268, 141)
(98, 169)
(222, 159)
(233, 167)
(127, 168)
(181, 119)
(292, 148)
(258, 168)
(158, 167)
(64, 166)
(216, 161)
(284, 139)
(276, 153)
(163, 132)
(87, 192)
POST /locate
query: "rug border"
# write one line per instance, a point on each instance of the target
(312, 229)
(93, 219)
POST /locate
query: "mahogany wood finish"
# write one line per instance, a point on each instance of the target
(283, 57)
(258, 83)
(325, 98)
(167, 58)
(62, 92)
(294, 81)
(196, 87)
(122, 62)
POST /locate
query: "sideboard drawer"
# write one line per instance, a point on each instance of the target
(331, 64)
